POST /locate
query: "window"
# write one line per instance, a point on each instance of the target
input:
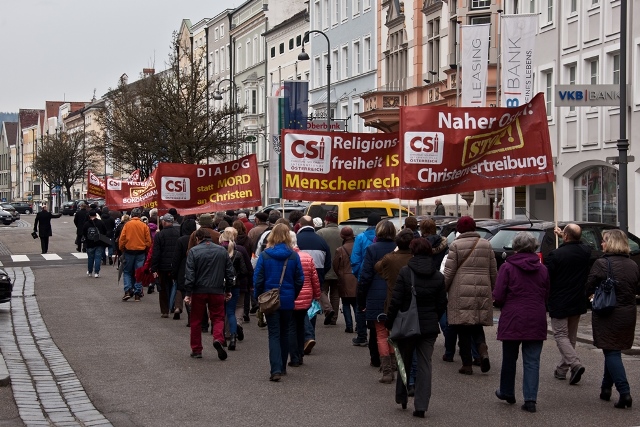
(290, 44)
(356, 57)
(251, 96)
(595, 192)
(593, 71)
(366, 60)
(571, 69)
(222, 30)
(549, 10)
(336, 12)
(281, 48)
(356, 118)
(325, 14)
(325, 61)
(355, 5)
(318, 71)
(249, 52)
(335, 75)
(616, 68)
(298, 41)
(433, 46)
(215, 32)
(273, 52)
(344, 62)
(316, 10)
(344, 13)
(574, 6)
(482, 19)
(223, 59)
(367, 5)
(216, 62)
(548, 93)
(238, 56)
(480, 4)
(255, 50)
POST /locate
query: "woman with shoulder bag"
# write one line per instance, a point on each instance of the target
(615, 331)
(423, 275)
(347, 281)
(279, 267)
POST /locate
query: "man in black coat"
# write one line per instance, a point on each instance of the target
(43, 219)
(79, 219)
(164, 247)
(110, 225)
(568, 271)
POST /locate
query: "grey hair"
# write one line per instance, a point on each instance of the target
(524, 242)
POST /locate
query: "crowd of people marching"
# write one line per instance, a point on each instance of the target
(214, 267)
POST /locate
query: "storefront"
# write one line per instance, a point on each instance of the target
(596, 195)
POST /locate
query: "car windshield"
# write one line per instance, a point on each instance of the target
(504, 238)
(485, 234)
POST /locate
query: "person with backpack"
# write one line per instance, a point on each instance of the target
(92, 230)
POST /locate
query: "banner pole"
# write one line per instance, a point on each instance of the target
(555, 211)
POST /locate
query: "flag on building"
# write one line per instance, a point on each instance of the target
(475, 64)
(516, 62)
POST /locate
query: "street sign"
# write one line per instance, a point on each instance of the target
(587, 95)
(322, 125)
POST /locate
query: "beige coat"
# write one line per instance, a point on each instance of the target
(471, 282)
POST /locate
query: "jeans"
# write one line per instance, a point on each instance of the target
(347, 305)
(93, 259)
(565, 332)
(310, 328)
(199, 303)
(230, 308)
(614, 372)
(329, 297)
(531, 368)
(422, 346)
(467, 336)
(164, 291)
(296, 335)
(131, 263)
(278, 328)
(361, 324)
(450, 338)
(411, 378)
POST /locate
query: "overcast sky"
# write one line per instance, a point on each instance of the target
(55, 50)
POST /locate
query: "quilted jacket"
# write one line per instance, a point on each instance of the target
(311, 288)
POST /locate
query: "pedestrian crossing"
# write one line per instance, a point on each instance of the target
(15, 260)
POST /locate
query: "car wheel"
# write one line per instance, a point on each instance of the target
(27, 212)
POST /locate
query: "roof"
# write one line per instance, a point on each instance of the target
(12, 132)
(28, 118)
(298, 16)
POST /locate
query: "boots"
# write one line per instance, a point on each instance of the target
(232, 342)
(466, 370)
(387, 373)
(394, 362)
(625, 401)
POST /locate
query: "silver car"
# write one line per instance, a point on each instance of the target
(5, 217)
(9, 208)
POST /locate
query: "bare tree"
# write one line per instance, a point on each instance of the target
(166, 117)
(64, 158)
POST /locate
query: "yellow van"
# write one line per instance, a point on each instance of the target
(355, 210)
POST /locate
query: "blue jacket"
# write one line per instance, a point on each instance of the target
(317, 247)
(269, 269)
(362, 242)
(372, 288)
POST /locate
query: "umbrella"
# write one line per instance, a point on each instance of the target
(401, 369)
(172, 297)
(119, 265)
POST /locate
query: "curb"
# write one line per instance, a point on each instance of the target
(5, 379)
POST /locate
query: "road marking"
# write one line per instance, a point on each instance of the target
(19, 258)
(51, 257)
(80, 255)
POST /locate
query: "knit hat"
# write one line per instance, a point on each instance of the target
(93, 212)
(317, 222)
(167, 217)
(230, 212)
(373, 219)
(346, 233)
(206, 220)
(331, 216)
(262, 216)
(173, 212)
(465, 224)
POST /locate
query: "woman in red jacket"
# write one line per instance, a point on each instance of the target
(310, 291)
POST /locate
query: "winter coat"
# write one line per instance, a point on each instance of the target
(311, 287)
(254, 235)
(389, 268)
(616, 331)
(244, 272)
(347, 281)
(164, 247)
(268, 270)
(109, 224)
(81, 216)
(439, 247)
(247, 224)
(522, 290)
(331, 235)
(209, 270)
(101, 229)
(362, 242)
(439, 209)
(179, 261)
(43, 219)
(243, 240)
(431, 298)
(134, 237)
(213, 234)
(568, 270)
(469, 276)
(153, 229)
(372, 288)
(310, 242)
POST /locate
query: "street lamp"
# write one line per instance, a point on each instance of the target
(304, 56)
(218, 97)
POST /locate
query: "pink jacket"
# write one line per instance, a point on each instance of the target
(311, 288)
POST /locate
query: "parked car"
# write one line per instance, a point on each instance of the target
(543, 232)
(70, 208)
(359, 209)
(99, 202)
(9, 208)
(23, 207)
(6, 286)
(288, 208)
(5, 217)
(358, 225)
(486, 227)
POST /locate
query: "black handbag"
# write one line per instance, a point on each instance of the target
(604, 297)
(407, 323)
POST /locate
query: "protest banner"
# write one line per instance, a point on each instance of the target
(95, 186)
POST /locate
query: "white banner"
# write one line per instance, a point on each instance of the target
(273, 115)
(475, 64)
(517, 44)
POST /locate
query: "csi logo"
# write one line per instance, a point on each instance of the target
(302, 149)
(114, 184)
(423, 147)
(94, 180)
(175, 188)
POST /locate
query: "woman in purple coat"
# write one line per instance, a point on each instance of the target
(522, 290)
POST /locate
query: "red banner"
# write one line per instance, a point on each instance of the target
(441, 151)
(452, 150)
(325, 166)
(95, 186)
(191, 189)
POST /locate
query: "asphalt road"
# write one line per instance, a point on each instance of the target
(137, 371)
